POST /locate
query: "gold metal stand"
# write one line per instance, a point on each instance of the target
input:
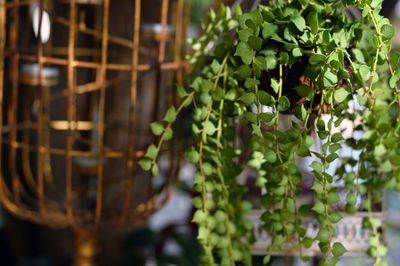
(85, 246)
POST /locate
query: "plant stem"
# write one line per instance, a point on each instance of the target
(224, 190)
(278, 152)
(159, 145)
(203, 175)
(371, 221)
(381, 43)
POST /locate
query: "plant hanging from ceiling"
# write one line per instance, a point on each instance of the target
(305, 58)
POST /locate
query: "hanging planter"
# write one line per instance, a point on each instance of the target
(308, 59)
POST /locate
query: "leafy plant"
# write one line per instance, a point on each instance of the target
(305, 58)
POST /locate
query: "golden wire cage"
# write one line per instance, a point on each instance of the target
(75, 107)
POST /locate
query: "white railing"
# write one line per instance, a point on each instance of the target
(348, 230)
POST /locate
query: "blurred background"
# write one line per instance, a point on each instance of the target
(167, 237)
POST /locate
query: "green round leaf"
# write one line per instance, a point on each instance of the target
(299, 22)
(157, 128)
(323, 235)
(296, 52)
(387, 31)
(245, 52)
(316, 58)
(395, 58)
(181, 91)
(168, 134)
(209, 128)
(340, 95)
(364, 72)
(192, 155)
(255, 42)
(351, 209)
(275, 85)
(244, 71)
(351, 198)
(338, 249)
(307, 242)
(283, 57)
(330, 79)
(145, 163)
(208, 169)
(205, 97)
(251, 83)
(318, 207)
(152, 151)
(316, 166)
(270, 156)
(199, 217)
(265, 98)
(154, 170)
(335, 217)
(283, 103)
(269, 29)
(251, 117)
(248, 98)
(336, 137)
(244, 34)
(312, 21)
(332, 198)
(170, 116)
(271, 62)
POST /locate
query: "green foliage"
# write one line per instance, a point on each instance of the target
(303, 58)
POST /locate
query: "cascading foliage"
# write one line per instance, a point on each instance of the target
(305, 58)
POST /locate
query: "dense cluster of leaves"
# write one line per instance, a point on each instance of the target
(304, 58)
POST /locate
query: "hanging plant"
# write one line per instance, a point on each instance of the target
(305, 58)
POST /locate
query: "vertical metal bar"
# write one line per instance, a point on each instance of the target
(178, 41)
(179, 80)
(131, 137)
(3, 12)
(164, 18)
(70, 109)
(177, 61)
(183, 23)
(12, 109)
(186, 22)
(47, 169)
(40, 184)
(101, 112)
(161, 57)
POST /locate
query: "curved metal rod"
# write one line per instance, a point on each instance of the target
(31, 201)
(104, 46)
(24, 212)
(47, 169)
(12, 108)
(26, 166)
(2, 45)
(39, 92)
(70, 111)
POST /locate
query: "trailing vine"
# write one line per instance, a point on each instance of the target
(302, 58)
